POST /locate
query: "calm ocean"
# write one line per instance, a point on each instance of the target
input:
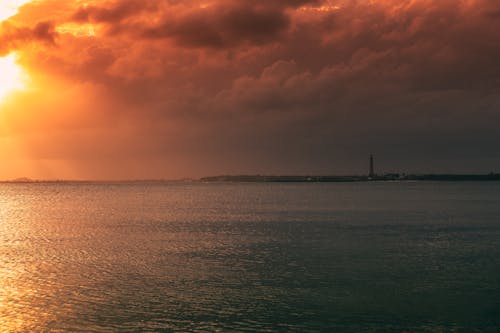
(257, 257)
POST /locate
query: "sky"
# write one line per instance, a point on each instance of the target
(168, 89)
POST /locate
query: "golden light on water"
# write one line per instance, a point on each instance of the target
(9, 8)
(12, 76)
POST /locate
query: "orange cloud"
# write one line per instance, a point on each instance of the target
(13, 37)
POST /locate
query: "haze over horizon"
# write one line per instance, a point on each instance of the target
(171, 89)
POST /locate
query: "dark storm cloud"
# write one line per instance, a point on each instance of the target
(285, 86)
(190, 24)
(222, 27)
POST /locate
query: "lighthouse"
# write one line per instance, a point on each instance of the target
(372, 172)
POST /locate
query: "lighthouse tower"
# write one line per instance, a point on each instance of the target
(372, 172)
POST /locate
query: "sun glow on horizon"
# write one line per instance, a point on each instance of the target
(11, 76)
(9, 8)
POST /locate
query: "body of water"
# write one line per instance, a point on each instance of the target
(257, 257)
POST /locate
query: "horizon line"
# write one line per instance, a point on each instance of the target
(193, 179)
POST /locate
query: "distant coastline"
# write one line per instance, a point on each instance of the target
(332, 179)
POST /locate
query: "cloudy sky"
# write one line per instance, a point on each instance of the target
(121, 89)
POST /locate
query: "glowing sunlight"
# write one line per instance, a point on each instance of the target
(9, 8)
(11, 77)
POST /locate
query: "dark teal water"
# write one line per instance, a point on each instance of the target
(174, 257)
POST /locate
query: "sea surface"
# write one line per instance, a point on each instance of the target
(250, 257)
